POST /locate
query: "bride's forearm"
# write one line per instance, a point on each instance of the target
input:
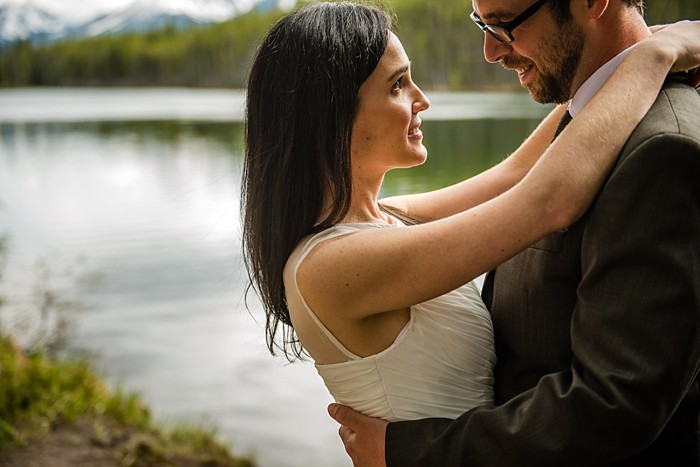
(530, 151)
(487, 185)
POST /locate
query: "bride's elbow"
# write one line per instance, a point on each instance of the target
(552, 206)
(564, 210)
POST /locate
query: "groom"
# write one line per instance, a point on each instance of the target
(597, 326)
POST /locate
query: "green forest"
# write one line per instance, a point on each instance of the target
(445, 48)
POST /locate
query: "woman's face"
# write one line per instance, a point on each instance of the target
(386, 132)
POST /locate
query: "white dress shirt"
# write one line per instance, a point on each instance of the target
(596, 81)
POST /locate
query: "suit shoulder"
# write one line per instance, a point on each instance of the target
(674, 117)
(676, 111)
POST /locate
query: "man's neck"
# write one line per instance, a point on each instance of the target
(611, 37)
(592, 85)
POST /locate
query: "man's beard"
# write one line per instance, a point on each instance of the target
(556, 67)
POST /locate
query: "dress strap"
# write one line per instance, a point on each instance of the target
(328, 234)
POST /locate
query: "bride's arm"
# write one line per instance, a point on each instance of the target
(450, 200)
(482, 187)
(378, 270)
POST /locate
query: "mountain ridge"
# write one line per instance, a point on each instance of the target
(37, 22)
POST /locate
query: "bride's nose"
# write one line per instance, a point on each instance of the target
(421, 101)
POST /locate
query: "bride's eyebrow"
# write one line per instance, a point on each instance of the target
(394, 76)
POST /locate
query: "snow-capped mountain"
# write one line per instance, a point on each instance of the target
(143, 15)
(22, 21)
(44, 20)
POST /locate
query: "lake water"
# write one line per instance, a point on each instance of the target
(130, 198)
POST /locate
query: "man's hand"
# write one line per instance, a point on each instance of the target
(362, 436)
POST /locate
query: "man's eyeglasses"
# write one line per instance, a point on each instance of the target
(502, 32)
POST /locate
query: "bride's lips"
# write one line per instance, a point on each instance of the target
(415, 133)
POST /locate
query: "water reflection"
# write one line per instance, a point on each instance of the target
(153, 209)
(152, 206)
(457, 150)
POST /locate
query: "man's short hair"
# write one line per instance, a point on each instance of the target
(560, 8)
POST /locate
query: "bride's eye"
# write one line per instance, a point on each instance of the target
(397, 85)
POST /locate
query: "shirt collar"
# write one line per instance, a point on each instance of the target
(596, 81)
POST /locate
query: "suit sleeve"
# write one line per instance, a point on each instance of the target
(635, 334)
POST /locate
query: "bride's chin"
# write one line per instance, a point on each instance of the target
(421, 160)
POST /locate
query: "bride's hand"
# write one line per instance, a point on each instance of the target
(682, 41)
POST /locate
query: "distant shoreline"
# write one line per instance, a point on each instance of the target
(76, 104)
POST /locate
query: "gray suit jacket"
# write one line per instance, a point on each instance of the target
(597, 327)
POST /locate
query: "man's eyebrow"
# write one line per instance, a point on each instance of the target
(497, 15)
(394, 76)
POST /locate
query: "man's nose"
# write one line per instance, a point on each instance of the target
(494, 49)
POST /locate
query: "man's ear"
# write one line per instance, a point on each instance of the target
(590, 9)
(596, 8)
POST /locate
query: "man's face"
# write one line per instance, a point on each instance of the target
(545, 53)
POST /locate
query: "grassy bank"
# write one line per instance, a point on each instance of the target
(54, 409)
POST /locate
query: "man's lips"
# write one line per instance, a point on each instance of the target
(522, 69)
(524, 74)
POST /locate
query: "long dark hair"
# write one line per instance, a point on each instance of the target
(302, 99)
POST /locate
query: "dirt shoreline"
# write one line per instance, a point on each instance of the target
(100, 443)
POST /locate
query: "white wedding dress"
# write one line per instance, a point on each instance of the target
(440, 364)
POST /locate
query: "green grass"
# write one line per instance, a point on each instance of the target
(39, 395)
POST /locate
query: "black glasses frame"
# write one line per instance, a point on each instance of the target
(503, 32)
